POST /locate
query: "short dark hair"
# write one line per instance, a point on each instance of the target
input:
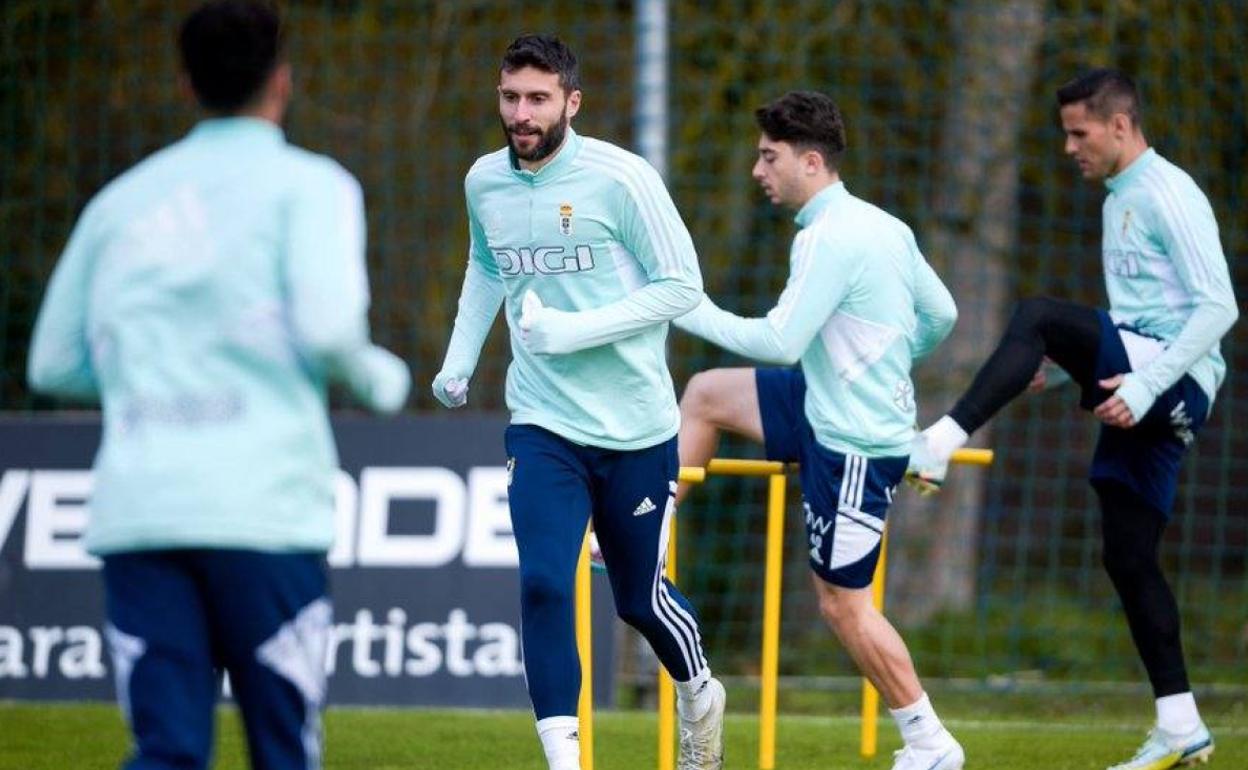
(229, 48)
(1105, 92)
(546, 53)
(806, 119)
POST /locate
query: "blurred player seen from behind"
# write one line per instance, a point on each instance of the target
(206, 298)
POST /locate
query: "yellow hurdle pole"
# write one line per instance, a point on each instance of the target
(727, 467)
(771, 621)
(972, 456)
(870, 697)
(730, 467)
(585, 648)
(667, 689)
(692, 475)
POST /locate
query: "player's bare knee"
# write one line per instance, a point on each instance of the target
(698, 400)
(843, 608)
(709, 397)
(838, 607)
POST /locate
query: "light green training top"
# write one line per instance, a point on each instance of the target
(595, 234)
(860, 306)
(1166, 276)
(205, 298)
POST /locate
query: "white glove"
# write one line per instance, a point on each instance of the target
(530, 306)
(542, 330)
(450, 390)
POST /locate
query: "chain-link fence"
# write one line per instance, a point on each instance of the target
(952, 126)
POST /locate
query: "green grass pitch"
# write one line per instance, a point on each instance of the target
(90, 737)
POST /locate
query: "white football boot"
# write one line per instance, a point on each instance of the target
(1162, 750)
(947, 755)
(702, 740)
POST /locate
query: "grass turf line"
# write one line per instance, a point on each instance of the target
(90, 737)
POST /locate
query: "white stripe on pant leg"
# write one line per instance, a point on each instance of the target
(847, 482)
(853, 481)
(862, 482)
(678, 613)
(126, 650)
(681, 633)
(296, 652)
(846, 476)
(657, 583)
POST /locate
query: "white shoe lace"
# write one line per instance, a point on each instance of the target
(694, 754)
(1153, 738)
(1151, 742)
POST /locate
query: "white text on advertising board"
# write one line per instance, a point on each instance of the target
(470, 519)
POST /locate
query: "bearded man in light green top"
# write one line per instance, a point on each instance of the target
(580, 244)
(860, 306)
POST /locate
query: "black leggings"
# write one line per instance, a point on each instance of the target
(1069, 334)
(1131, 531)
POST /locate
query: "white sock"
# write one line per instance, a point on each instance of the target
(918, 723)
(693, 698)
(561, 740)
(1177, 714)
(944, 436)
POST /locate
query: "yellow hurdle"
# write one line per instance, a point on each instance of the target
(771, 622)
(769, 672)
(585, 649)
(771, 609)
(667, 689)
(870, 697)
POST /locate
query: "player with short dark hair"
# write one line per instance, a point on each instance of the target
(546, 53)
(228, 50)
(583, 243)
(808, 120)
(1103, 93)
(207, 296)
(1148, 368)
(860, 306)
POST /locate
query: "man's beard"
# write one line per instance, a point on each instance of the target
(549, 142)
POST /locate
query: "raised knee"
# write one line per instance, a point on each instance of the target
(698, 400)
(1029, 313)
